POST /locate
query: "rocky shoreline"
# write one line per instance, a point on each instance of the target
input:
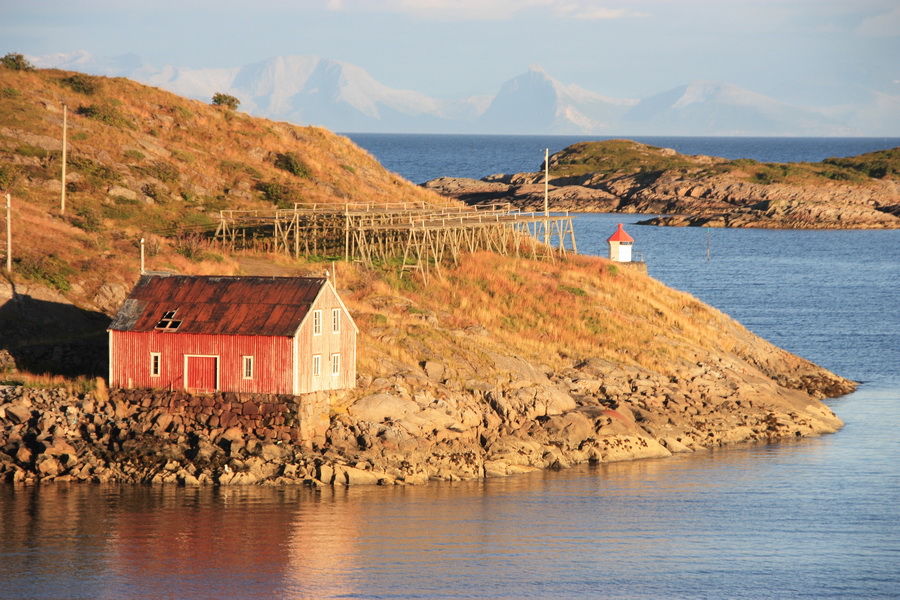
(410, 428)
(691, 196)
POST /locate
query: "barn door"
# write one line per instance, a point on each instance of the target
(201, 373)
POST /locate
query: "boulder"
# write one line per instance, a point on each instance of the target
(570, 429)
(18, 413)
(378, 407)
(354, 476)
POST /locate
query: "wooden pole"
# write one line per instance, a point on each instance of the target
(142, 256)
(62, 200)
(547, 195)
(546, 182)
(8, 234)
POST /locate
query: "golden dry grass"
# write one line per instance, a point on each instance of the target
(151, 165)
(556, 313)
(193, 159)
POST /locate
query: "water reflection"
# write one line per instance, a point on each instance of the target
(812, 518)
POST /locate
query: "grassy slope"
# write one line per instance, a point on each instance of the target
(184, 160)
(146, 163)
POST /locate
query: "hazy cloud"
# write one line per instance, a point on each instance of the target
(884, 25)
(485, 10)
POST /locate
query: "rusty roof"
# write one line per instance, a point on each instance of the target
(272, 306)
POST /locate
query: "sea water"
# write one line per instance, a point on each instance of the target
(813, 518)
(422, 157)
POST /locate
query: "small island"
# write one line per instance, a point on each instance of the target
(861, 192)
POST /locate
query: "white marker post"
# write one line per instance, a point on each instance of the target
(142, 256)
(62, 198)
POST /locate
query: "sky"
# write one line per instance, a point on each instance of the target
(810, 52)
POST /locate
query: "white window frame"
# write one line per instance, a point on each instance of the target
(335, 364)
(155, 364)
(247, 367)
(316, 365)
(317, 322)
(335, 320)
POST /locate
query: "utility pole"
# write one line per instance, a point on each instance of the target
(62, 200)
(8, 235)
(546, 196)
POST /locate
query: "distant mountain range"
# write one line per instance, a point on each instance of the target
(344, 97)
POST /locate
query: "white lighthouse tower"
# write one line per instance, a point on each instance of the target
(620, 244)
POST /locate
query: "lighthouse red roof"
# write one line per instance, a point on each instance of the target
(620, 236)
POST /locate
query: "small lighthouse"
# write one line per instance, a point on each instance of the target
(620, 244)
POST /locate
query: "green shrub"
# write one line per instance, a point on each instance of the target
(122, 200)
(83, 84)
(279, 194)
(163, 171)
(231, 166)
(8, 175)
(745, 162)
(122, 210)
(49, 270)
(575, 291)
(134, 154)
(32, 151)
(96, 174)
(229, 102)
(9, 92)
(106, 113)
(87, 219)
(185, 157)
(16, 62)
(183, 113)
(291, 163)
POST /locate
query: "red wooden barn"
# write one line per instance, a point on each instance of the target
(268, 335)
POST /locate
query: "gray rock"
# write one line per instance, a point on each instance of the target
(378, 407)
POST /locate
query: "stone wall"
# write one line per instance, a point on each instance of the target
(154, 436)
(300, 420)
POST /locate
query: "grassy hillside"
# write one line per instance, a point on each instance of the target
(146, 163)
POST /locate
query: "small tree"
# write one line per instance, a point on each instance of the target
(16, 62)
(229, 102)
(291, 163)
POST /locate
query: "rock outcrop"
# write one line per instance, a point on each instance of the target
(696, 194)
(412, 427)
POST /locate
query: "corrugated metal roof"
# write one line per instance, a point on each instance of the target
(220, 305)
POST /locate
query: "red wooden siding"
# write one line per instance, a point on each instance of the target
(218, 322)
(272, 360)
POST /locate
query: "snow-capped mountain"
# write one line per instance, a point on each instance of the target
(537, 103)
(710, 108)
(344, 97)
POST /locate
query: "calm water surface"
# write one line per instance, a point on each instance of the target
(817, 518)
(421, 157)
